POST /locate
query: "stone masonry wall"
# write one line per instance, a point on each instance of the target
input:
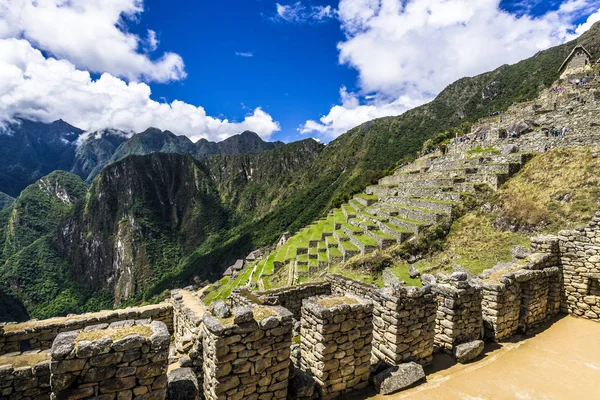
(403, 324)
(459, 314)
(27, 382)
(188, 312)
(501, 306)
(247, 356)
(289, 297)
(133, 365)
(35, 334)
(336, 336)
(340, 285)
(580, 258)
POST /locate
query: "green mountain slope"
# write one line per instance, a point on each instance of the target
(95, 152)
(5, 201)
(31, 268)
(30, 150)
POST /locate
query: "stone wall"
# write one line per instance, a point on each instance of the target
(26, 382)
(288, 297)
(575, 107)
(247, 356)
(459, 314)
(501, 307)
(128, 359)
(341, 285)
(336, 338)
(188, 312)
(35, 334)
(403, 324)
(580, 258)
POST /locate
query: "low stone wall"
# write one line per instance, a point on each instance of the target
(26, 382)
(340, 285)
(336, 338)
(580, 259)
(459, 314)
(288, 297)
(403, 324)
(128, 359)
(247, 356)
(34, 334)
(501, 307)
(188, 312)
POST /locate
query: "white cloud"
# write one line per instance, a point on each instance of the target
(244, 54)
(407, 51)
(299, 13)
(47, 89)
(92, 35)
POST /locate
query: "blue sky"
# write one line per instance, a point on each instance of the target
(287, 69)
(293, 74)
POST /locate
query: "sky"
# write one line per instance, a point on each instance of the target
(287, 70)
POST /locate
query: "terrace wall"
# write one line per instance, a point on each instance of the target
(26, 382)
(336, 338)
(33, 335)
(134, 366)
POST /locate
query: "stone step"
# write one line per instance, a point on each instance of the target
(348, 250)
(385, 240)
(400, 234)
(499, 168)
(349, 212)
(414, 213)
(492, 180)
(435, 192)
(365, 199)
(356, 205)
(340, 236)
(414, 226)
(366, 244)
(436, 205)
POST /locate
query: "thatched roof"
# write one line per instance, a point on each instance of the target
(572, 54)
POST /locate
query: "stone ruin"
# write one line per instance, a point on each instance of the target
(322, 339)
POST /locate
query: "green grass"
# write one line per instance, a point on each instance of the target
(323, 257)
(335, 252)
(367, 240)
(397, 228)
(382, 235)
(367, 196)
(401, 271)
(228, 285)
(342, 235)
(348, 246)
(352, 228)
(269, 267)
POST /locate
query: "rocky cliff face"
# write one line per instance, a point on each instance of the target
(30, 150)
(95, 152)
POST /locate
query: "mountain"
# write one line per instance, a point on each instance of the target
(5, 201)
(31, 269)
(154, 140)
(246, 142)
(153, 222)
(95, 152)
(30, 150)
(133, 231)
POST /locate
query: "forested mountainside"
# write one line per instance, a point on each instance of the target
(149, 223)
(30, 150)
(68, 249)
(5, 200)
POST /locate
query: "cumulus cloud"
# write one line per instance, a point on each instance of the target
(299, 13)
(46, 89)
(92, 35)
(407, 51)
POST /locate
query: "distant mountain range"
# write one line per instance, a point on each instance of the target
(30, 150)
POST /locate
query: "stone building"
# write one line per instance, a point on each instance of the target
(576, 64)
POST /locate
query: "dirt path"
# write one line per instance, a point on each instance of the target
(561, 362)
